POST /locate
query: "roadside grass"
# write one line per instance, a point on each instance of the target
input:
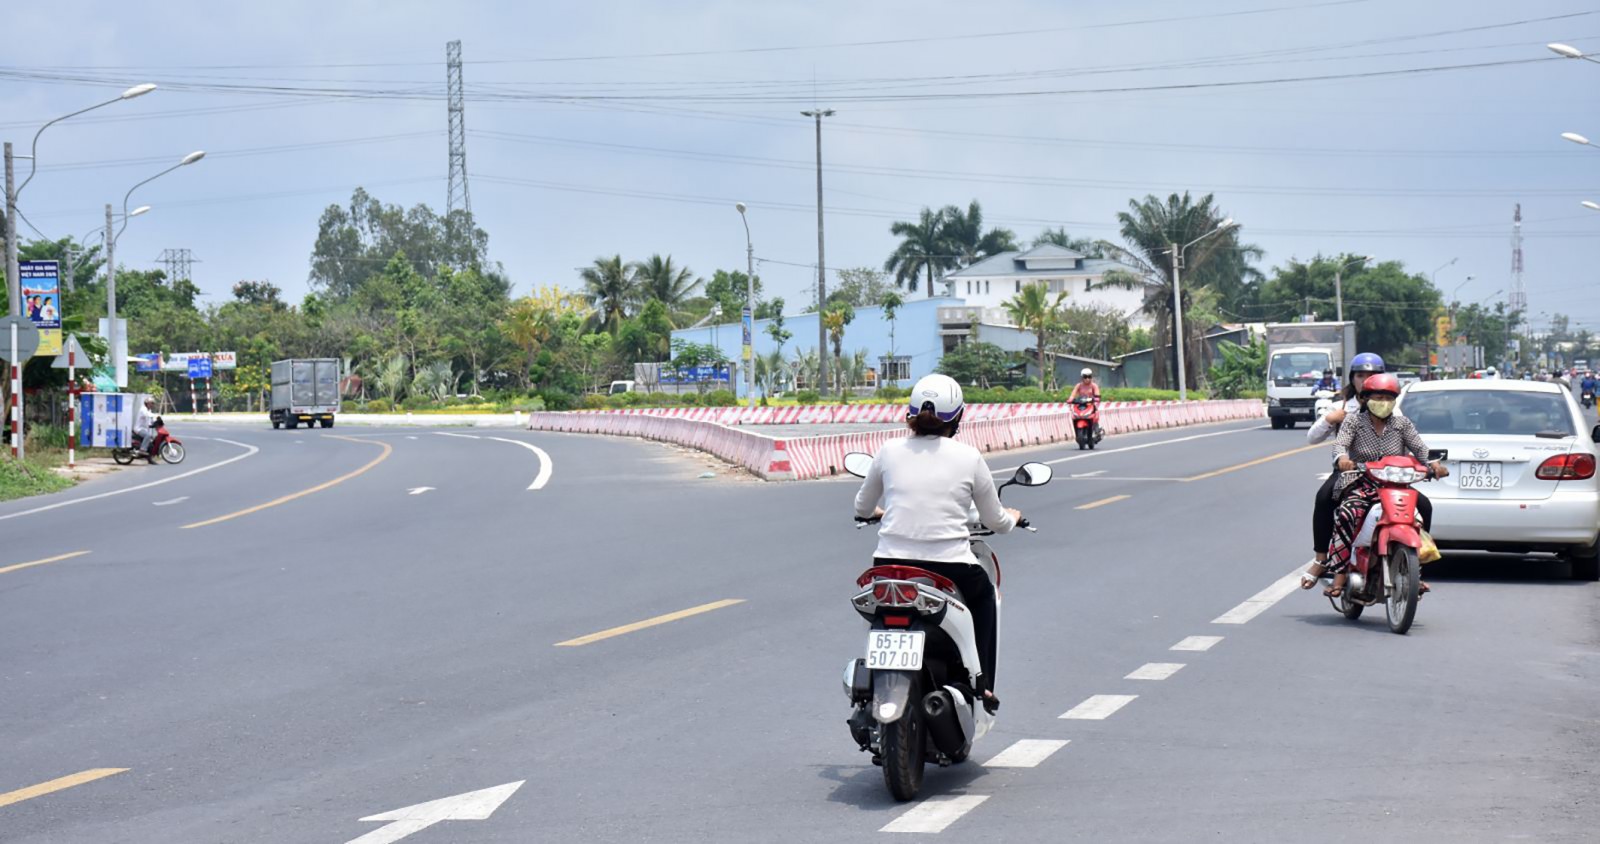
(34, 475)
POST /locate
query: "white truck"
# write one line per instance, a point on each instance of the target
(1296, 353)
(304, 390)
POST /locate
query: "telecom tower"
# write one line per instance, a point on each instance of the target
(458, 195)
(178, 262)
(1519, 294)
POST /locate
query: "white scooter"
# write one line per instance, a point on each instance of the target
(1327, 400)
(913, 693)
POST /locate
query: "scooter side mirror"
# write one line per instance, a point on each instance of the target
(857, 463)
(1033, 474)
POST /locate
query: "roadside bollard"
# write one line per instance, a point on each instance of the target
(408, 417)
(517, 417)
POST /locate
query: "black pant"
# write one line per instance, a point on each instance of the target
(1322, 514)
(978, 593)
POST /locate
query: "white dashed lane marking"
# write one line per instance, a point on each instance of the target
(1027, 753)
(1155, 671)
(1261, 601)
(1196, 643)
(1098, 708)
(935, 813)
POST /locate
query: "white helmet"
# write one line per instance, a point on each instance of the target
(1086, 373)
(942, 392)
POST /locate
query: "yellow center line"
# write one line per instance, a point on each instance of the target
(1256, 462)
(649, 622)
(387, 449)
(19, 566)
(1102, 502)
(65, 782)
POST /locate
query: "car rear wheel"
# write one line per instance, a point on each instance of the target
(1585, 563)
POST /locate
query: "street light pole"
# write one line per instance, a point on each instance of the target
(749, 321)
(822, 269)
(119, 364)
(13, 282)
(1338, 283)
(1177, 303)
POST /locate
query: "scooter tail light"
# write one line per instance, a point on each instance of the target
(897, 621)
(1566, 467)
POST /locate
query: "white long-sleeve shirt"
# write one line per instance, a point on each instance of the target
(1321, 431)
(143, 419)
(927, 486)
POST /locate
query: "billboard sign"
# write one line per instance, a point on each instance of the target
(41, 301)
(224, 360)
(147, 362)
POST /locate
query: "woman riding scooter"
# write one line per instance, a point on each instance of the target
(1373, 433)
(928, 483)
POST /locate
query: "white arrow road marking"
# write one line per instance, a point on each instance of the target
(546, 466)
(166, 480)
(410, 438)
(1098, 707)
(171, 501)
(471, 806)
(1090, 474)
(1027, 753)
(418, 490)
(935, 813)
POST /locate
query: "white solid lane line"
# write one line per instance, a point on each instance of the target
(462, 436)
(935, 813)
(1259, 602)
(546, 465)
(1088, 454)
(190, 473)
(1098, 707)
(1027, 753)
(1155, 671)
(1196, 643)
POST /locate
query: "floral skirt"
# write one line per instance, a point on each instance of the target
(1357, 499)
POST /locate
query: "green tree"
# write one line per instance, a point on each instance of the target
(1058, 236)
(834, 319)
(891, 301)
(647, 337)
(860, 287)
(1240, 369)
(976, 364)
(86, 263)
(613, 288)
(776, 331)
(660, 279)
(728, 289)
(964, 235)
(1392, 309)
(923, 250)
(355, 242)
(1035, 310)
(1151, 229)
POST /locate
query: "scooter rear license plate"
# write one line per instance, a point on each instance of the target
(895, 650)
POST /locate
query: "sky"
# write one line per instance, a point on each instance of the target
(1404, 129)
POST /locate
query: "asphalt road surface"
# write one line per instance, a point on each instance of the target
(294, 631)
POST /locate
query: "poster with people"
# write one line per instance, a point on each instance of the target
(41, 302)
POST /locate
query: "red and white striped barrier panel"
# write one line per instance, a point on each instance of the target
(864, 413)
(801, 458)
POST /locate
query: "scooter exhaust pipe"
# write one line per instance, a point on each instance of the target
(943, 724)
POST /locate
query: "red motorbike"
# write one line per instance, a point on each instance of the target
(1387, 568)
(169, 447)
(1086, 422)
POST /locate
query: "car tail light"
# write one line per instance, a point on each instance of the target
(1566, 467)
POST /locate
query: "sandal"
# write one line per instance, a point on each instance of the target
(1308, 580)
(1423, 588)
(1335, 589)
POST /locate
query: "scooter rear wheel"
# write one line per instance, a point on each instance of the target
(123, 456)
(905, 749)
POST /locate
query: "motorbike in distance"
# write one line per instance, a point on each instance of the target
(1387, 567)
(161, 442)
(915, 695)
(1086, 422)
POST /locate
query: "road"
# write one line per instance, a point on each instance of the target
(295, 630)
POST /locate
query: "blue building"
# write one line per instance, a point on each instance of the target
(898, 352)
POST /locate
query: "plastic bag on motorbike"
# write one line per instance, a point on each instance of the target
(1429, 550)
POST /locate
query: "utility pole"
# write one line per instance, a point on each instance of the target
(456, 195)
(822, 268)
(14, 297)
(1177, 322)
(118, 367)
(748, 318)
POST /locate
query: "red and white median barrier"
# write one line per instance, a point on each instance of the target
(1001, 428)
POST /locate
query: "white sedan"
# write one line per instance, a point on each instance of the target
(1522, 468)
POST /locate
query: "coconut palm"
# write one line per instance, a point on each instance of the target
(1035, 310)
(922, 250)
(611, 287)
(1058, 237)
(834, 319)
(1151, 229)
(658, 278)
(964, 236)
(803, 367)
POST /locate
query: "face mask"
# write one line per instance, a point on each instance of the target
(1380, 408)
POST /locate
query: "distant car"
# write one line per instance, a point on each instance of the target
(1522, 468)
(620, 387)
(1407, 378)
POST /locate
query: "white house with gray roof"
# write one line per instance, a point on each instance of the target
(990, 282)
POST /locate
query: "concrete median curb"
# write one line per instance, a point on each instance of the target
(803, 458)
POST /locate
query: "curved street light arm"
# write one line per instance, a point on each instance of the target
(33, 164)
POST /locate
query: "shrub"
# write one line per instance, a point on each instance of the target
(417, 402)
(721, 398)
(890, 391)
(688, 400)
(662, 399)
(1027, 394)
(595, 401)
(558, 399)
(528, 404)
(807, 396)
(379, 406)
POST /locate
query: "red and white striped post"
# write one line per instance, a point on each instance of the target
(194, 406)
(211, 405)
(16, 409)
(72, 405)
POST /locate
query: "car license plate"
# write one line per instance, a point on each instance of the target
(1478, 475)
(895, 650)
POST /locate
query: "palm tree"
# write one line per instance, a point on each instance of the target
(1151, 229)
(922, 250)
(611, 287)
(1034, 310)
(834, 319)
(891, 302)
(1058, 236)
(804, 367)
(658, 278)
(964, 235)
